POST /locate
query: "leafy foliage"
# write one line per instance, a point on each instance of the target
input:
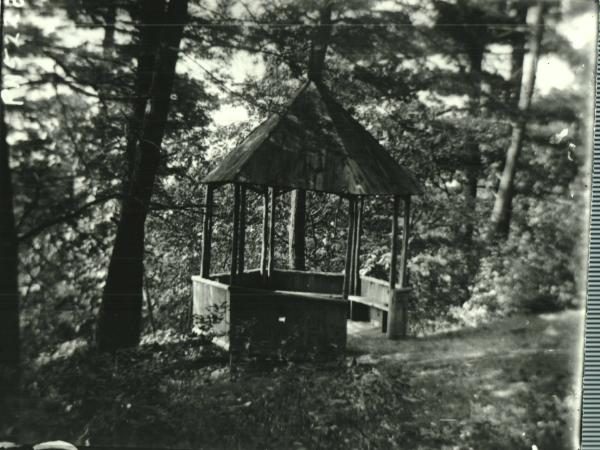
(533, 271)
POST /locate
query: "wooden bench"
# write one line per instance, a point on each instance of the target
(373, 302)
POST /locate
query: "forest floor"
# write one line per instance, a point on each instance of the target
(496, 385)
(506, 385)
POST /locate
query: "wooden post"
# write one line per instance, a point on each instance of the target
(242, 231)
(398, 310)
(396, 326)
(394, 244)
(357, 232)
(352, 250)
(271, 232)
(347, 268)
(392, 316)
(405, 235)
(297, 230)
(207, 232)
(235, 237)
(265, 236)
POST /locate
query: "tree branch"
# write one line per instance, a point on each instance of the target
(62, 218)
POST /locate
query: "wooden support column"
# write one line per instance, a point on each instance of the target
(207, 232)
(235, 237)
(265, 236)
(392, 316)
(348, 265)
(405, 236)
(399, 298)
(394, 244)
(357, 233)
(271, 232)
(297, 230)
(352, 250)
(396, 325)
(242, 231)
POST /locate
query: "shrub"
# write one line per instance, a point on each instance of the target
(533, 271)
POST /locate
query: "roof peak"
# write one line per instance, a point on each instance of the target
(313, 143)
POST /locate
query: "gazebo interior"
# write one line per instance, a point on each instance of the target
(312, 144)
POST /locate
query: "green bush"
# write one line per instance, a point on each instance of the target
(533, 271)
(438, 282)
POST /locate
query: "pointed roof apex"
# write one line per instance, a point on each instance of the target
(316, 145)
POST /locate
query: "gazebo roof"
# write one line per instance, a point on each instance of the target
(315, 144)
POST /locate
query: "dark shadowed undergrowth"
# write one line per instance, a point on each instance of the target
(181, 396)
(503, 386)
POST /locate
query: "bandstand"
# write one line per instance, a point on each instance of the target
(313, 144)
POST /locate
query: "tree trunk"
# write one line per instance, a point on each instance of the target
(473, 160)
(265, 235)
(501, 214)
(152, 13)
(119, 323)
(9, 298)
(9, 292)
(272, 204)
(517, 57)
(297, 229)
(110, 16)
(316, 65)
(320, 41)
(349, 250)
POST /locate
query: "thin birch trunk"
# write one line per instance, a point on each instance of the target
(501, 213)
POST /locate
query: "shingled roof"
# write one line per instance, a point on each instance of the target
(314, 144)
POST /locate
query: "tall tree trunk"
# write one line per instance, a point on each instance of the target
(473, 161)
(515, 83)
(9, 298)
(316, 65)
(320, 42)
(9, 292)
(517, 56)
(119, 323)
(472, 170)
(110, 16)
(501, 213)
(108, 51)
(152, 13)
(297, 229)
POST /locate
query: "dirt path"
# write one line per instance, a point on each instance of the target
(513, 336)
(510, 384)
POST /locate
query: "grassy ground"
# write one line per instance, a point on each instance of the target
(508, 385)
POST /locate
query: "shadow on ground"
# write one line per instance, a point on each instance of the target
(506, 385)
